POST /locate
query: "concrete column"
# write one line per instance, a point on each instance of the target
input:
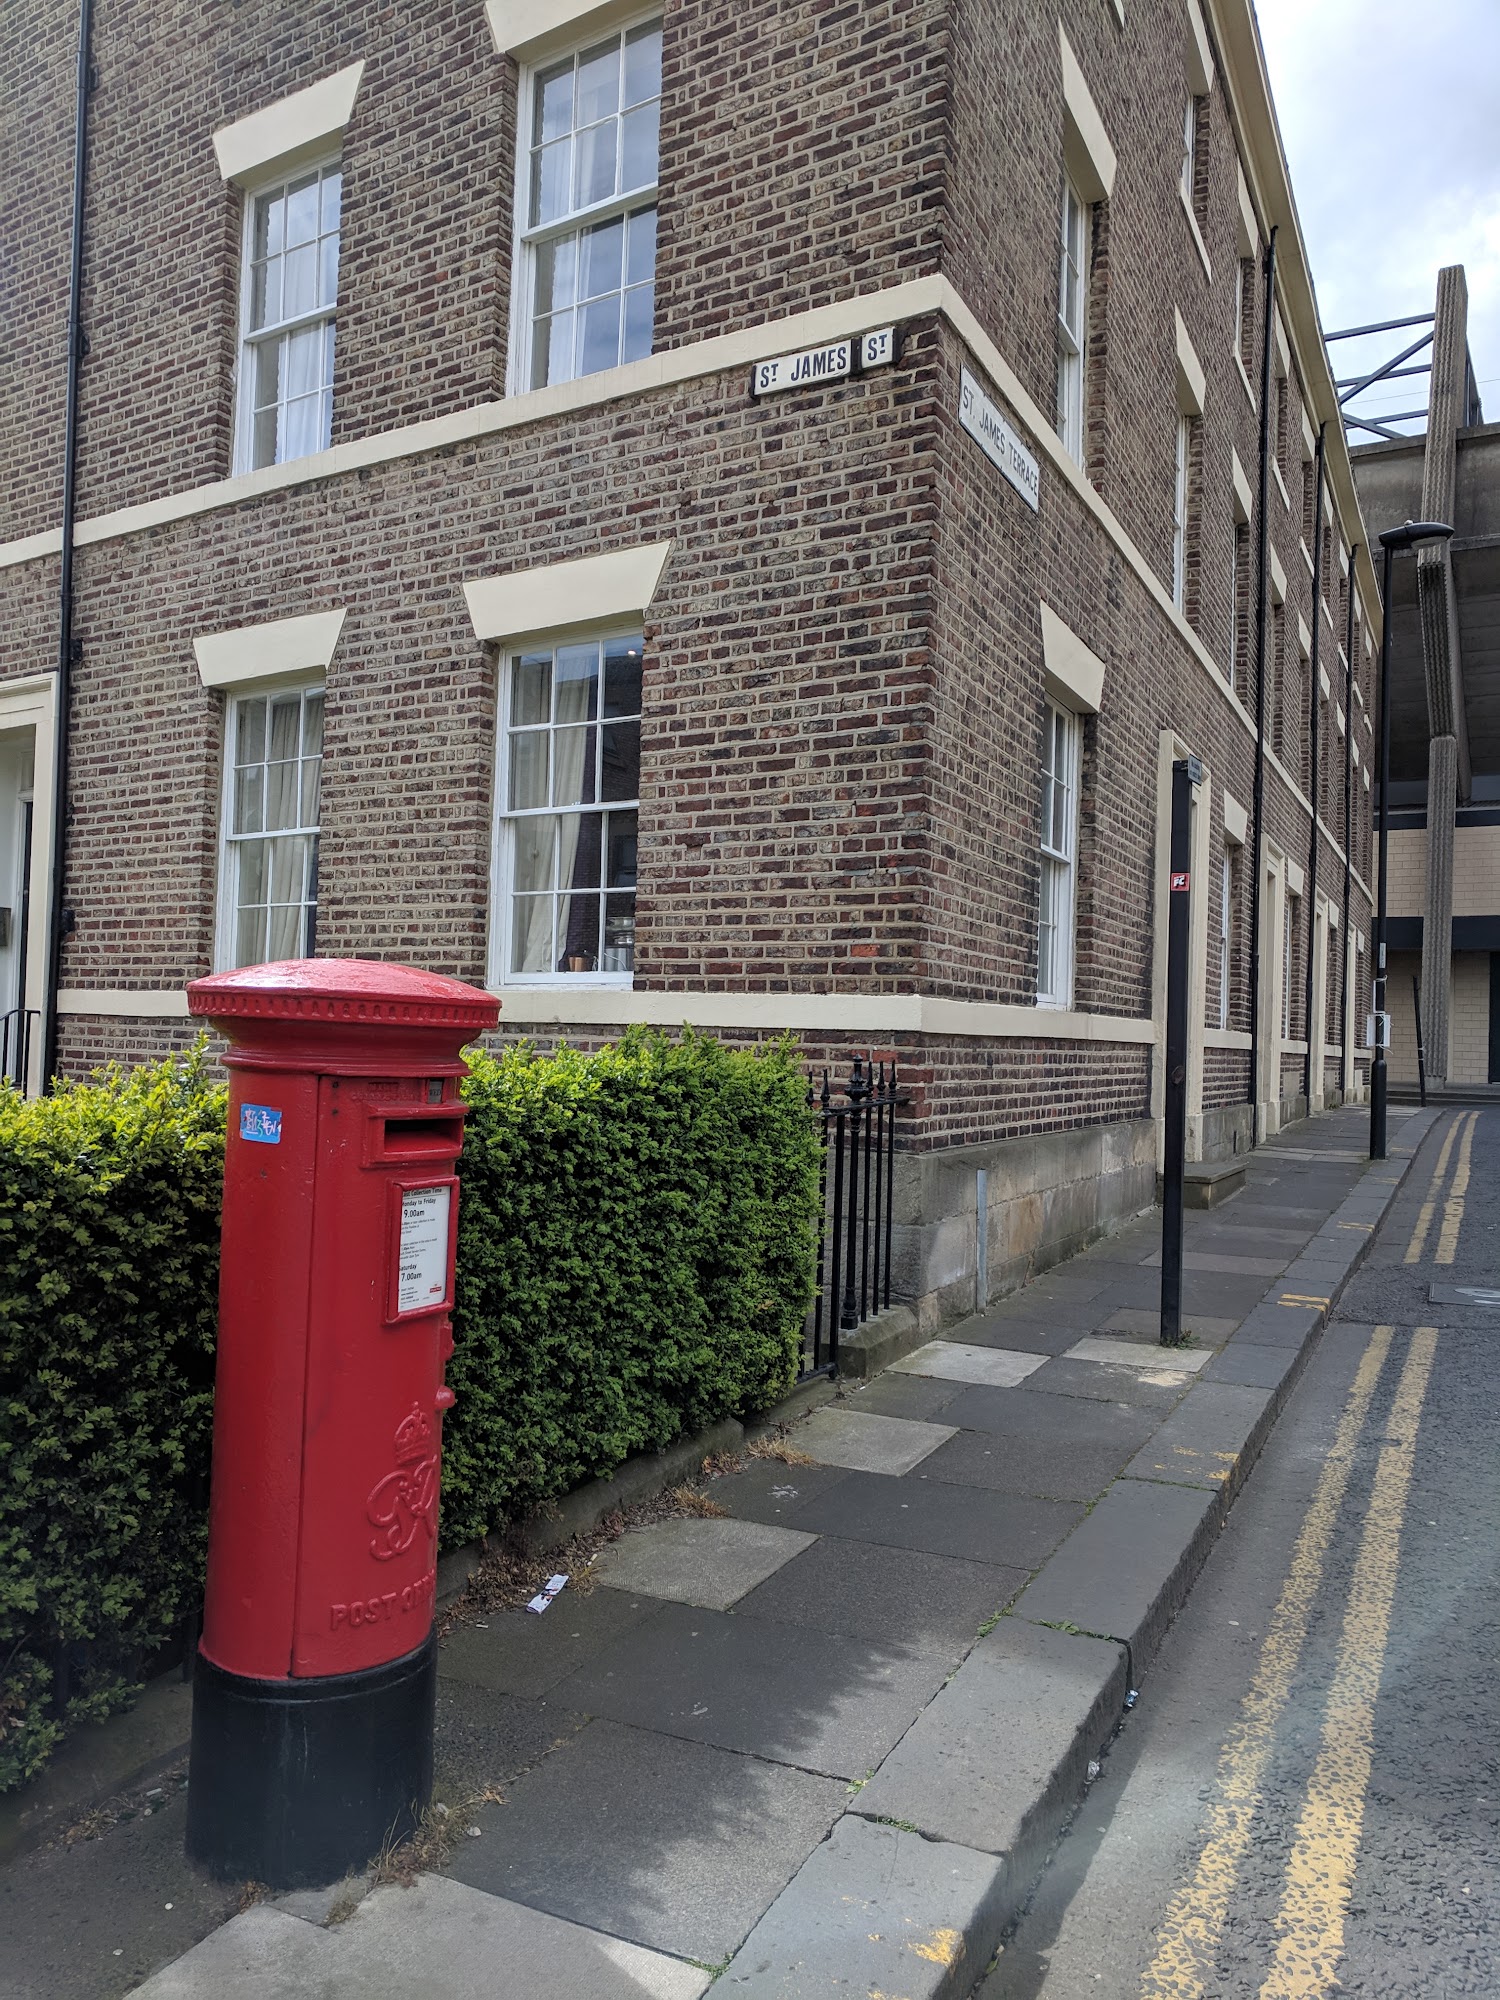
(1437, 605)
(1437, 926)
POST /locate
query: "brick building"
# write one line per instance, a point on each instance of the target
(457, 578)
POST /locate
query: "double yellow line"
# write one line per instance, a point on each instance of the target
(1320, 1870)
(1453, 1207)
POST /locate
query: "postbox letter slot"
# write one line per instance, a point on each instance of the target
(420, 1138)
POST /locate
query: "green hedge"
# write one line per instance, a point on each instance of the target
(635, 1261)
(109, 1257)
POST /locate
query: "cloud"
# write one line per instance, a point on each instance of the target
(1387, 113)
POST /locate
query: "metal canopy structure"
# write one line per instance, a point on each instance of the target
(1401, 364)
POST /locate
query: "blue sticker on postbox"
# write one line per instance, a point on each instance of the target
(261, 1123)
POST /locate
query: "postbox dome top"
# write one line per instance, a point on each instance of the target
(352, 991)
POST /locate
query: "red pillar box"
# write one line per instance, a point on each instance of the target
(316, 1675)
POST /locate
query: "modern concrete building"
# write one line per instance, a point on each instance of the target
(1444, 888)
(705, 512)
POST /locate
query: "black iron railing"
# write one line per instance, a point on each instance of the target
(854, 1248)
(17, 1030)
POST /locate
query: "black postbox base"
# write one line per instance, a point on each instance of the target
(294, 1783)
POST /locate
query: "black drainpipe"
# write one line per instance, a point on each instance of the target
(1346, 1061)
(1312, 845)
(1262, 612)
(60, 919)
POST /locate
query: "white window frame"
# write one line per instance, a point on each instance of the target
(1059, 864)
(1180, 509)
(1073, 220)
(525, 237)
(226, 925)
(503, 845)
(250, 339)
(1226, 932)
(1287, 932)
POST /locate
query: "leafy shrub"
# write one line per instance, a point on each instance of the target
(635, 1259)
(109, 1250)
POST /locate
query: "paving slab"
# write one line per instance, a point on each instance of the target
(1319, 1277)
(1062, 1377)
(890, 1395)
(875, 1912)
(262, 1954)
(1205, 1440)
(957, 1361)
(525, 1653)
(897, 1597)
(768, 1490)
(1280, 1325)
(1157, 1362)
(889, 1445)
(821, 1700)
(438, 1938)
(1032, 1413)
(1050, 1698)
(944, 1520)
(1223, 1261)
(1050, 1468)
(697, 1561)
(1145, 1323)
(643, 1836)
(1124, 1571)
(1026, 1309)
(66, 1910)
(1087, 1278)
(1030, 1335)
(1220, 1231)
(1260, 1367)
(485, 1739)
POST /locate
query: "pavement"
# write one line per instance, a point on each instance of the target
(1306, 1799)
(818, 1740)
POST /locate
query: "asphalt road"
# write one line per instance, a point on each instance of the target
(1307, 1799)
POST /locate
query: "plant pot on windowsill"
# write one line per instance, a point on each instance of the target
(577, 962)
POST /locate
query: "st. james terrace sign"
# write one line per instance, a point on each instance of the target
(998, 440)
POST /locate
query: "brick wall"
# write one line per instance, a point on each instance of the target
(840, 785)
(1476, 871)
(1469, 1019)
(1406, 891)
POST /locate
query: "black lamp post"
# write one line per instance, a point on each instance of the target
(1405, 537)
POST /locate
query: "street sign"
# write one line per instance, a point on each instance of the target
(998, 441)
(834, 362)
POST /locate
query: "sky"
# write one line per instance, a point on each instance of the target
(1374, 97)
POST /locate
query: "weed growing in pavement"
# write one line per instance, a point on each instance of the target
(776, 1446)
(690, 1500)
(346, 1902)
(430, 1846)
